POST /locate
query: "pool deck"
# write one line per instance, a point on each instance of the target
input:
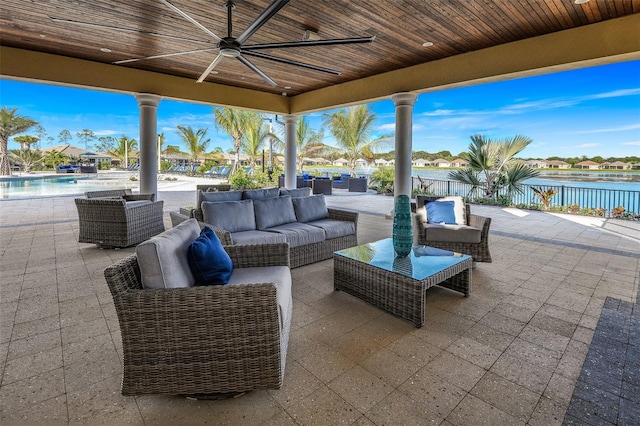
(549, 335)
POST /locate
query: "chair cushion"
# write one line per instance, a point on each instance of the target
(257, 237)
(310, 208)
(335, 228)
(219, 196)
(272, 212)
(163, 259)
(299, 234)
(280, 275)
(130, 204)
(453, 233)
(440, 212)
(260, 194)
(232, 216)
(297, 192)
(209, 262)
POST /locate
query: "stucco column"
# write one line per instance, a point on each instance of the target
(404, 121)
(290, 122)
(148, 104)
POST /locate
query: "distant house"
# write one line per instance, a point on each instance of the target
(381, 162)
(616, 165)
(85, 156)
(441, 162)
(591, 165)
(558, 164)
(635, 166)
(420, 162)
(341, 162)
(536, 164)
(459, 162)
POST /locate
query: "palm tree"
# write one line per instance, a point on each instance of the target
(26, 157)
(195, 141)
(10, 124)
(26, 141)
(235, 122)
(308, 142)
(353, 130)
(122, 149)
(492, 166)
(252, 141)
(53, 158)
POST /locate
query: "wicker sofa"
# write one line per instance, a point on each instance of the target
(312, 236)
(118, 218)
(471, 237)
(184, 339)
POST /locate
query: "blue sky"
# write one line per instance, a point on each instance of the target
(591, 111)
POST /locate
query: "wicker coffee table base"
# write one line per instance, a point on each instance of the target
(395, 293)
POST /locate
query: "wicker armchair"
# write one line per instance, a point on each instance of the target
(120, 193)
(114, 222)
(478, 251)
(203, 339)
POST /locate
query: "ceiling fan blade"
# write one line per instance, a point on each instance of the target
(257, 70)
(308, 43)
(210, 68)
(164, 55)
(190, 19)
(261, 20)
(126, 30)
(290, 62)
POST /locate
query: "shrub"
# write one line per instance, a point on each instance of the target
(382, 179)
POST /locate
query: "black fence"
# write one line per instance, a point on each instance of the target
(595, 201)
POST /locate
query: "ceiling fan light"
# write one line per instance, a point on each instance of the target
(427, 44)
(230, 53)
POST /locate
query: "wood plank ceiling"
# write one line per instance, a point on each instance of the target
(107, 31)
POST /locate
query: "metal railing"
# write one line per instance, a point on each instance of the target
(597, 201)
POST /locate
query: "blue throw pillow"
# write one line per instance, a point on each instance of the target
(209, 262)
(440, 212)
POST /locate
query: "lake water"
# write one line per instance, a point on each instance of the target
(16, 187)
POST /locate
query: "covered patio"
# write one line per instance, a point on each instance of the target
(561, 290)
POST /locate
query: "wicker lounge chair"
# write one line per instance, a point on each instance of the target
(116, 222)
(479, 251)
(203, 339)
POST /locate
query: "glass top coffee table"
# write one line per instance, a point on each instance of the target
(373, 273)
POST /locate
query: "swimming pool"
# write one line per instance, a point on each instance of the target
(16, 187)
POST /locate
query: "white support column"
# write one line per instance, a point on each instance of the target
(148, 104)
(404, 121)
(290, 122)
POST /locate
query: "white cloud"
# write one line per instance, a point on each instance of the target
(387, 127)
(634, 143)
(439, 112)
(105, 132)
(588, 145)
(613, 94)
(609, 129)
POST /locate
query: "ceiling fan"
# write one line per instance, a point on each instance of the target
(235, 47)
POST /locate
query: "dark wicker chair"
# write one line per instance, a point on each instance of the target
(114, 222)
(478, 251)
(203, 339)
(357, 184)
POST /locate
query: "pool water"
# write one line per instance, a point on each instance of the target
(16, 187)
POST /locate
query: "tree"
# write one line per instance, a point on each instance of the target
(234, 122)
(86, 136)
(353, 130)
(64, 137)
(54, 158)
(492, 166)
(195, 141)
(27, 158)
(253, 138)
(122, 149)
(308, 143)
(26, 141)
(10, 124)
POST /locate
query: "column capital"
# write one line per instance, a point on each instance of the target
(148, 99)
(404, 98)
(290, 118)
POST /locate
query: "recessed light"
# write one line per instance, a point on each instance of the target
(105, 50)
(427, 44)
(42, 36)
(581, 1)
(214, 72)
(287, 87)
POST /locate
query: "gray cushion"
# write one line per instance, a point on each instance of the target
(299, 234)
(233, 216)
(453, 233)
(257, 237)
(219, 196)
(280, 275)
(131, 204)
(260, 194)
(335, 228)
(297, 192)
(310, 208)
(163, 258)
(272, 212)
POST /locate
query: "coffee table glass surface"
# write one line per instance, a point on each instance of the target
(422, 262)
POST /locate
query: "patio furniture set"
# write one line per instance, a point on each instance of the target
(180, 337)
